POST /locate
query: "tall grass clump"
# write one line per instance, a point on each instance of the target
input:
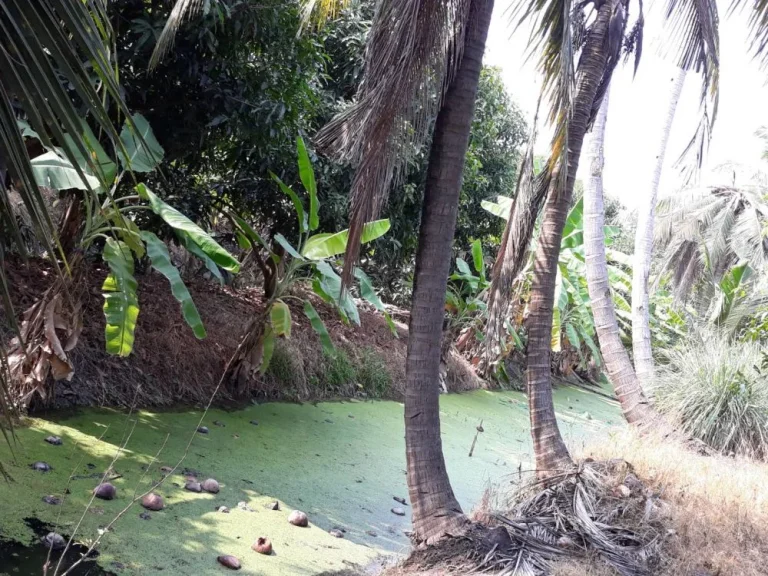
(716, 389)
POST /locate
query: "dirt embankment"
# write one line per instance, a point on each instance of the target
(169, 366)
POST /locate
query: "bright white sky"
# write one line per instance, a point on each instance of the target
(638, 105)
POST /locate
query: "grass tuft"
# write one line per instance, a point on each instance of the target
(717, 391)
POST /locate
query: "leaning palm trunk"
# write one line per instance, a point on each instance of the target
(633, 402)
(641, 327)
(593, 74)
(435, 508)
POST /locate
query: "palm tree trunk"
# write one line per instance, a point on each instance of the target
(641, 328)
(618, 365)
(436, 511)
(550, 450)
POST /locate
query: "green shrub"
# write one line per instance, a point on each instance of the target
(717, 391)
(340, 372)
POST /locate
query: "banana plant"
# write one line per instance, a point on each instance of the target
(311, 258)
(110, 219)
(464, 298)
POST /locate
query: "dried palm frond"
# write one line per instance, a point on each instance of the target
(694, 26)
(318, 12)
(183, 9)
(413, 51)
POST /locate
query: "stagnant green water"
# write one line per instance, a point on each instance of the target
(340, 462)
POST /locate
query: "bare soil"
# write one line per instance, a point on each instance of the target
(169, 366)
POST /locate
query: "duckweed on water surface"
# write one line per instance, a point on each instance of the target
(340, 462)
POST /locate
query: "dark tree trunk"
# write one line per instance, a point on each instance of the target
(435, 508)
(549, 448)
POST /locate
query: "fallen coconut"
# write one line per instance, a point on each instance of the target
(41, 466)
(54, 440)
(298, 518)
(202, 429)
(262, 546)
(105, 491)
(145, 516)
(211, 486)
(336, 533)
(400, 500)
(222, 509)
(218, 423)
(166, 469)
(52, 500)
(54, 541)
(193, 486)
(153, 502)
(398, 511)
(229, 561)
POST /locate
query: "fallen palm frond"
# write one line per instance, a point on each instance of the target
(598, 510)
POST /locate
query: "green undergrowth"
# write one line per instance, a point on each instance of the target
(340, 462)
(330, 376)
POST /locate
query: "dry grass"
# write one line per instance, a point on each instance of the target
(715, 507)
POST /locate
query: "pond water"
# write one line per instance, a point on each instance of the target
(340, 462)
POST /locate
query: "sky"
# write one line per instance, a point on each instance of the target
(638, 104)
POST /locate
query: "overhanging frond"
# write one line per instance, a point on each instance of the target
(183, 9)
(413, 50)
(758, 27)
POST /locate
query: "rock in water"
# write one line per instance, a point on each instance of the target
(41, 466)
(211, 486)
(400, 500)
(244, 506)
(193, 486)
(254, 422)
(105, 491)
(272, 505)
(54, 541)
(202, 429)
(166, 469)
(298, 518)
(398, 511)
(262, 546)
(218, 423)
(153, 502)
(222, 509)
(52, 500)
(145, 516)
(336, 533)
(229, 561)
(54, 440)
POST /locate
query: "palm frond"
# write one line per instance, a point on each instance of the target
(412, 53)
(758, 25)
(695, 27)
(318, 12)
(183, 9)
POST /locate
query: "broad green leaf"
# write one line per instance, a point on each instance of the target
(573, 231)
(280, 318)
(280, 239)
(98, 157)
(330, 282)
(501, 208)
(556, 330)
(592, 347)
(55, 172)
(193, 248)
(307, 176)
(144, 151)
(477, 258)
(573, 336)
(319, 327)
(267, 348)
(161, 261)
(185, 226)
(121, 304)
(321, 246)
(463, 267)
(251, 235)
(297, 204)
(368, 294)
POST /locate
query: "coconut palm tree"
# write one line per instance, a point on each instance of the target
(599, 55)
(443, 44)
(618, 365)
(641, 269)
